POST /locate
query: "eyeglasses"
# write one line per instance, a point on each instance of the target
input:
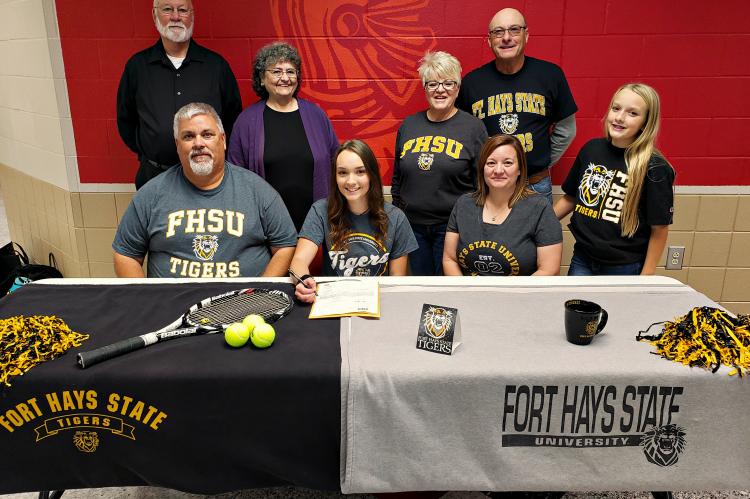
(512, 31)
(278, 73)
(448, 85)
(167, 11)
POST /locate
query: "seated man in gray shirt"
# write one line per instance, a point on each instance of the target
(206, 219)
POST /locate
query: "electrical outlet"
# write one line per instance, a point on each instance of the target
(674, 257)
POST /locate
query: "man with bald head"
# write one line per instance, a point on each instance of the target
(161, 79)
(523, 96)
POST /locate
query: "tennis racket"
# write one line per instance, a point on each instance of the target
(211, 315)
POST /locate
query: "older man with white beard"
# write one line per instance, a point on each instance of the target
(208, 218)
(164, 77)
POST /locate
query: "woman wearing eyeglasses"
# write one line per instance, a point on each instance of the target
(435, 154)
(285, 139)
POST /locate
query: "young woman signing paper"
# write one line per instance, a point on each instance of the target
(361, 234)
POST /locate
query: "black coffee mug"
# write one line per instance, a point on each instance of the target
(583, 321)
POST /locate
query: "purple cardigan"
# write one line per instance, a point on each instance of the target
(248, 139)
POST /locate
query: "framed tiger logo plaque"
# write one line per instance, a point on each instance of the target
(439, 329)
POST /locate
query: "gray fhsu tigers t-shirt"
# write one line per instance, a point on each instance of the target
(366, 253)
(188, 232)
(508, 248)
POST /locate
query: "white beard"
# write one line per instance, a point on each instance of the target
(177, 37)
(201, 168)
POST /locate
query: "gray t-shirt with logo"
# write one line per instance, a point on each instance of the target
(508, 248)
(227, 231)
(364, 252)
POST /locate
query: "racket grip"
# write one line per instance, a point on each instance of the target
(88, 359)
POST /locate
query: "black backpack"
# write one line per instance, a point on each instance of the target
(14, 264)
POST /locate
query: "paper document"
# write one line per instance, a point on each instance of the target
(360, 297)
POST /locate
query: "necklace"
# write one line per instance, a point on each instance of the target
(496, 216)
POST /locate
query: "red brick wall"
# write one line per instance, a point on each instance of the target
(360, 59)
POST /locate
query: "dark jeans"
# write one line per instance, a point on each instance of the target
(583, 265)
(428, 258)
(543, 187)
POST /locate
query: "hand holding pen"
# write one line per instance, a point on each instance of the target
(305, 290)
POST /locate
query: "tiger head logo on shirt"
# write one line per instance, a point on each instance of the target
(595, 184)
(204, 246)
(509, 123)
(425, 160)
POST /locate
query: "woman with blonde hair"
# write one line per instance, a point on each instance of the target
(503, 228)
(434, 165)
(620, 190)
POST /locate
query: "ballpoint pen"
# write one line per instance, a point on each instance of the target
(300, 280)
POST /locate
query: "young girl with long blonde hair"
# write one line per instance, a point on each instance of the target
(620, 190)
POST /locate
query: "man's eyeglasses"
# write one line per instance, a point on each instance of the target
(278, 73)
(448, 85)
(512, 31)
(167, 11)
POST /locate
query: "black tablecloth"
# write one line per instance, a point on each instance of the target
(191, 414)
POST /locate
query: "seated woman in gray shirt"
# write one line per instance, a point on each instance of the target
(503, 228)
(361, 234)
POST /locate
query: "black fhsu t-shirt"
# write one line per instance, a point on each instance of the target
(598, 181)
(288, 162)
(525, 104)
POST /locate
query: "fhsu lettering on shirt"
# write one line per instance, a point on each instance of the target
(613, 202)
(436, 144)
(518, 102)
(615, 198)
(202, 221)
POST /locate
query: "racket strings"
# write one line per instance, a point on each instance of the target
(235, 308)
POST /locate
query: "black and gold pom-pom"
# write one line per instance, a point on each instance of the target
(705, 337)
(26, 341)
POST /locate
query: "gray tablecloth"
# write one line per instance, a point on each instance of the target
(414, 420)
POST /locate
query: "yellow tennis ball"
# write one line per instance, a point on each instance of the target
(253, 320)
(263, 335)
(236, 334)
